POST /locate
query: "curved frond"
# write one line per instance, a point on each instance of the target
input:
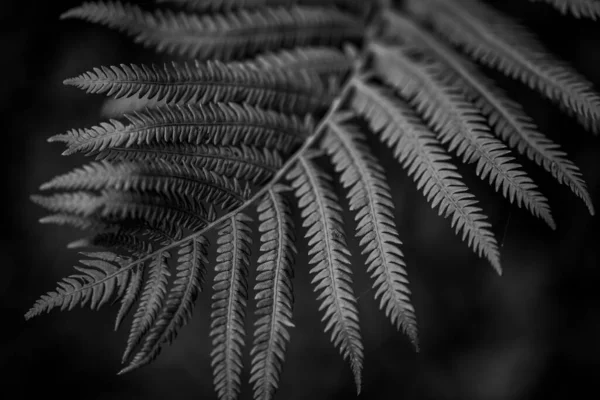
(242, 162)
(369, 197)
(322, 215)
(119, 239)
(231, 35)
(459, 124)
(179, 304)
(577, 8)
(151, 301)
(229, 305)
(226, 5)
(133, 292)
(274, 293)
(506, 116)
(422, 155)
(323, 61)
(163, 178)
(494, 40)
(97, 282)
(209, 82)
(214, 124)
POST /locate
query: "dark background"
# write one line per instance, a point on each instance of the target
(533, 333)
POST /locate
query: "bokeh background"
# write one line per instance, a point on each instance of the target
(530, 334)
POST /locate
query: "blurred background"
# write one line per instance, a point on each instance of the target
(531, 334)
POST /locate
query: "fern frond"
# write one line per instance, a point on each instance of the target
(120, 239)
(155, 211)
(507, 118)
(213, 81)
(459, 124)
(320, 60)
(496, 41)
(163, 178)
(83, 223)
(229, 305)
(242, 162)
(369, 197)
(115, 108)
(97, 282)
(80, 204)
(232, 35)
(132, 294)
(322, 215)
(214, 124)
(179, 304)
(226, 5)
(422, 155)
(274, 293)
(577, 8)
(151, 301)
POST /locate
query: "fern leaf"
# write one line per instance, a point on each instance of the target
(81, 204)
(152, 211)
(212, 81)
(163, 178)
(369, 197)
(229, 305)
(179, 304)
(121, 240)
(151, 302)
(232, 35)
(83, 223)
(131, 295)
(460, 125)
(577, 8)
(155, 211)
(274, 293)
(97, 282)
(423, 156)
(322, 216)
(242, 162)
(323, 61)
(115, 108)
(507, 117)
(214, 124)
(226, 5)
(496, 41)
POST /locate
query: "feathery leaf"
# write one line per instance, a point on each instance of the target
(459, 125)
(151, 302)
(214, 124)
(206, 82)
(232, 35)
(274, 293)
(369, 197)
(422, 155)
(322, 215)
(179, 303)
(577, 8)
(97, 282)
(507, 118)
(229, 305)
(494, 40)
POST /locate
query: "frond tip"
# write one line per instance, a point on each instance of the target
(99, 280)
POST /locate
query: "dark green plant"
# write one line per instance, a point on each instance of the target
(275, 85)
